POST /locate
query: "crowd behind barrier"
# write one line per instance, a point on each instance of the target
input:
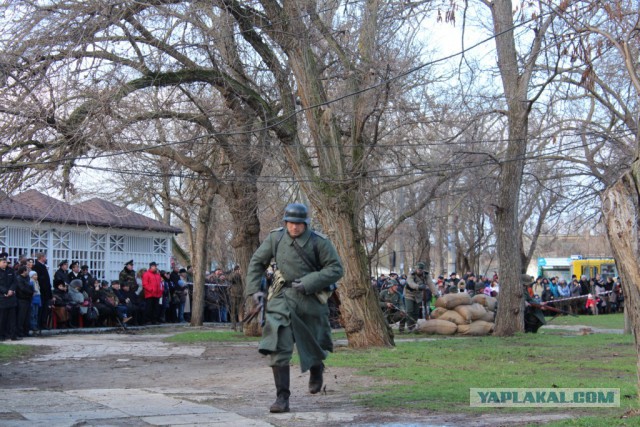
(591, 296)
(30, 300)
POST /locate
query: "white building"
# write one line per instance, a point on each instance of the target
(96, 233)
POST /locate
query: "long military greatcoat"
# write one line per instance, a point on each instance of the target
(412, 291)
(307, 316)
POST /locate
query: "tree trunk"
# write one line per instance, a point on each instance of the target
(621, 212)
(361, 315)
(201, 256)
(510, 315)
(244, 210)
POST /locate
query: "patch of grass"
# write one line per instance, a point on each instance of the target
(437, 375)
(209, 336)
(604, 321)
(225, 336)
(339, 335)
(12, 352)
(595, 421)
(598, 421)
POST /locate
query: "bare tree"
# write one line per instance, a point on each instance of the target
(516, 72)
(343, 52)
(601, 28)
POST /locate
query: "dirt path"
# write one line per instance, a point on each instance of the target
(229, 376)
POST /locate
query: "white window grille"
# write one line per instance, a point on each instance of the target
(60, 239)
(159, 246)
(98, 242)
(39, 240)
(117, 244)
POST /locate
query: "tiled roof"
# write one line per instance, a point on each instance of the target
(122, 217)
(35, 206)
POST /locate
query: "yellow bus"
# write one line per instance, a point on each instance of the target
(565, 267)
(605, 267)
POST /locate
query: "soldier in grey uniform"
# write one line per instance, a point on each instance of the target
(392, 305)
(533, 314)
(419, 281)
(295, 314)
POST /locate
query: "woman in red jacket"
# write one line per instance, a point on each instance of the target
(152, 285)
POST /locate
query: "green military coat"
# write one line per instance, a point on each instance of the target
(394, 298)
(412, 291)
(533, 317)
(307, 316)
(127, 277)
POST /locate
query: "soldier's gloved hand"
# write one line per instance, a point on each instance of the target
(256, 297)
(298, 286)
(422, 287)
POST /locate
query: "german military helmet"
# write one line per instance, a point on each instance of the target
(296, 212)
(390, 283)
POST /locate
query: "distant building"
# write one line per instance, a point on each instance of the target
(96, 233)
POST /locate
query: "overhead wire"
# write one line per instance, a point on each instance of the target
(269, 126)
(414, 169)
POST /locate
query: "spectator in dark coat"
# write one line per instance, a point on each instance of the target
(88, 280)
(62, 273)
(8, 301)
(74, 271)
(24, 292)
(44, 280)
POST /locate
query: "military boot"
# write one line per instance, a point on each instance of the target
(281, 378)
(315, 378)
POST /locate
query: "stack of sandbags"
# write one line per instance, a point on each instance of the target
(436, 327)
(477, 328)
(451, 301)
(471, 312)
(468, 316)
(488, 302)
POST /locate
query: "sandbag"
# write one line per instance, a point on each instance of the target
(436, 326)
(477, 328)
(453, 316)
(486, 301)
(470, 312)
(437, 312)
(489, 316)
(450, 301)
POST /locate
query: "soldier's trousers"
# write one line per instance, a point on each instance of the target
(413, 311)
(394, 316)
(282, 355)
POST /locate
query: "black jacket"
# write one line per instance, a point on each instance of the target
(73, 276)
(62, 298)
(44, 280)
(24, 290)
(8, 283)
(61, 275)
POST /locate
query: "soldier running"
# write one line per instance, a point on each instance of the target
(308, 263)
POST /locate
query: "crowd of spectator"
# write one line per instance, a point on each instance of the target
(454, 283)
(31, 300)
(223, 296)
(585, 295)
(580, 296)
